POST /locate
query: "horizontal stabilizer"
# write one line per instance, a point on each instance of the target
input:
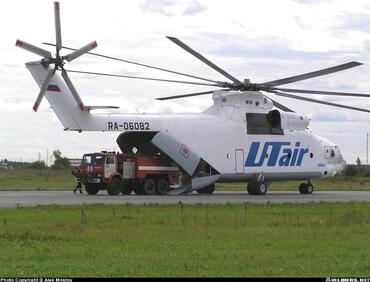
(89, 108)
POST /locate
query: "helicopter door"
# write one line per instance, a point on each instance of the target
(239, 161)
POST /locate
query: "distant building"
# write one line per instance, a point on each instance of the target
(5, 166)
(74, 162)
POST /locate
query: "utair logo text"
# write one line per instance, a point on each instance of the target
(275, 154)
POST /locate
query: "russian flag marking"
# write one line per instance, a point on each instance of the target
(53, 88)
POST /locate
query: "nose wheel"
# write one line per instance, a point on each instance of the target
(306, 188)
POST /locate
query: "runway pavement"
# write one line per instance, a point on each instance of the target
(11, 199)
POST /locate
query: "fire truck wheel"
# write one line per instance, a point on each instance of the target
(126, 190)
(115, 186)
(139, 190)
(149, 186)
(162, 186)
(91, 188)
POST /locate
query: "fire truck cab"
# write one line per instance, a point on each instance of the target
(124, 173)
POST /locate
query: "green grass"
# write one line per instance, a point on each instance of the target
(51, 179)
(186, 241)
(36, 179)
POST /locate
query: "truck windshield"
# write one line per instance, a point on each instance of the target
(93, 159)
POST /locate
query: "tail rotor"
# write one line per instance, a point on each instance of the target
(58, 61)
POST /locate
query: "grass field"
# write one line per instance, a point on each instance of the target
(186, 241)
(49, 179)
(36, 179)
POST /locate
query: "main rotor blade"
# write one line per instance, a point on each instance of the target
(73, 90)
(58, 33)
(203, 59)
(304, 91)
(187, 95)
(33, 49)
(145, 78)
(81, 51)
(320, 102)
(42, 92)
(310, 74)
(139, 64)
(280, 106)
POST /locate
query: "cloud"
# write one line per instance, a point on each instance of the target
(158, 7)
(170, 8)
(311, 2)
(194, 8)
(333, 116)
(357, 21)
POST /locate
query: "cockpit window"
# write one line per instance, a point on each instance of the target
(331, 152)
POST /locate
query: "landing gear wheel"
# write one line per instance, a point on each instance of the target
(260, 188)
(250, 188)
(162, 186)
(306, 188)
(202, 190)
(91, 188)
(149, 186)
(257, 188)
(207, 190)
(210, 189)
(115, 187)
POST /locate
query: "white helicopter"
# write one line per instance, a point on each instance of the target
(240, 138)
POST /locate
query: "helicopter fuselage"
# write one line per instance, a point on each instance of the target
(220, 136)
(240, 136)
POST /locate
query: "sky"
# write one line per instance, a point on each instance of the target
(256, 39)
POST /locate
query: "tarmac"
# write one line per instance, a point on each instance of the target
(12, 199)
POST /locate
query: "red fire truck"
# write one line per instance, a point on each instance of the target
(124, 173)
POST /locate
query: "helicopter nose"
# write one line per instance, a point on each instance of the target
(334, 160)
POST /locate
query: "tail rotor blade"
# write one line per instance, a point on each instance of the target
(73, 90)
(58, 33)
(81, 51)
(43, 89)
(33, 49)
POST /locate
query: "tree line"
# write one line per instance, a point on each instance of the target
(60, 162)
(357, 169)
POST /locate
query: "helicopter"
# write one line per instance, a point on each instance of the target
(245, 136)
